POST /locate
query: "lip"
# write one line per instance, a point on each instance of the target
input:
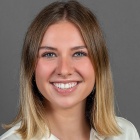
(64, 81)
(64, 92)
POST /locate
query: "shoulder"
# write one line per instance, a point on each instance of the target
(125, 124)
(128, 130)
(11, 134)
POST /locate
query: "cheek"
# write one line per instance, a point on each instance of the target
(86, 69)
(43, 70)
(39, 72)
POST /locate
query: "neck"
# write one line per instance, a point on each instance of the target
(69, 123)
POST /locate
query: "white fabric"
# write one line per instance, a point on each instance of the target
(129, 132)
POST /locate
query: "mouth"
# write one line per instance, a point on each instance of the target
(65, 85)
(65, 88)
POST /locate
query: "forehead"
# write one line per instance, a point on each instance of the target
(62, 32)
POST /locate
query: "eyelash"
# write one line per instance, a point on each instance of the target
(80, 54)
(49, 55)
(76, 54)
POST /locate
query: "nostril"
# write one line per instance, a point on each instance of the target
(64, 66)
(64, 75)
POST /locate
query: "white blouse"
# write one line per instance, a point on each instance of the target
(129, 132)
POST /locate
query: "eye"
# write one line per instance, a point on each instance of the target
(80, 54)
(49, 55)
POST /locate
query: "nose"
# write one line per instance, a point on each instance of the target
(65, 67)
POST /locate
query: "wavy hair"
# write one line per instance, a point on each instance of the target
(100, 110)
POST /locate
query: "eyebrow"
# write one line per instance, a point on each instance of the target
(55, 49)
(78, 47)
(47, 47)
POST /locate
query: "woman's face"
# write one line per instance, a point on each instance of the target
(64, 73)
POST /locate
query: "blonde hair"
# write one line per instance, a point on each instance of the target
(100, 110)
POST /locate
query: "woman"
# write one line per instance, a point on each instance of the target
(65, 80)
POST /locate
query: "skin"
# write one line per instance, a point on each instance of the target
(63, 58)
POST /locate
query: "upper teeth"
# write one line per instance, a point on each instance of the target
(65, 86)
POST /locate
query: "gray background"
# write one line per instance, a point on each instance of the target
(120, 21)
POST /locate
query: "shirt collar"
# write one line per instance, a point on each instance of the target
(94, 134)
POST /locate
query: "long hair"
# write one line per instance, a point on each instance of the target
(100, 110)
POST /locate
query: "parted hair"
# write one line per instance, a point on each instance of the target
(100, 110)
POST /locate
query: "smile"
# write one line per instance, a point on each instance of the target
(65, 85)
